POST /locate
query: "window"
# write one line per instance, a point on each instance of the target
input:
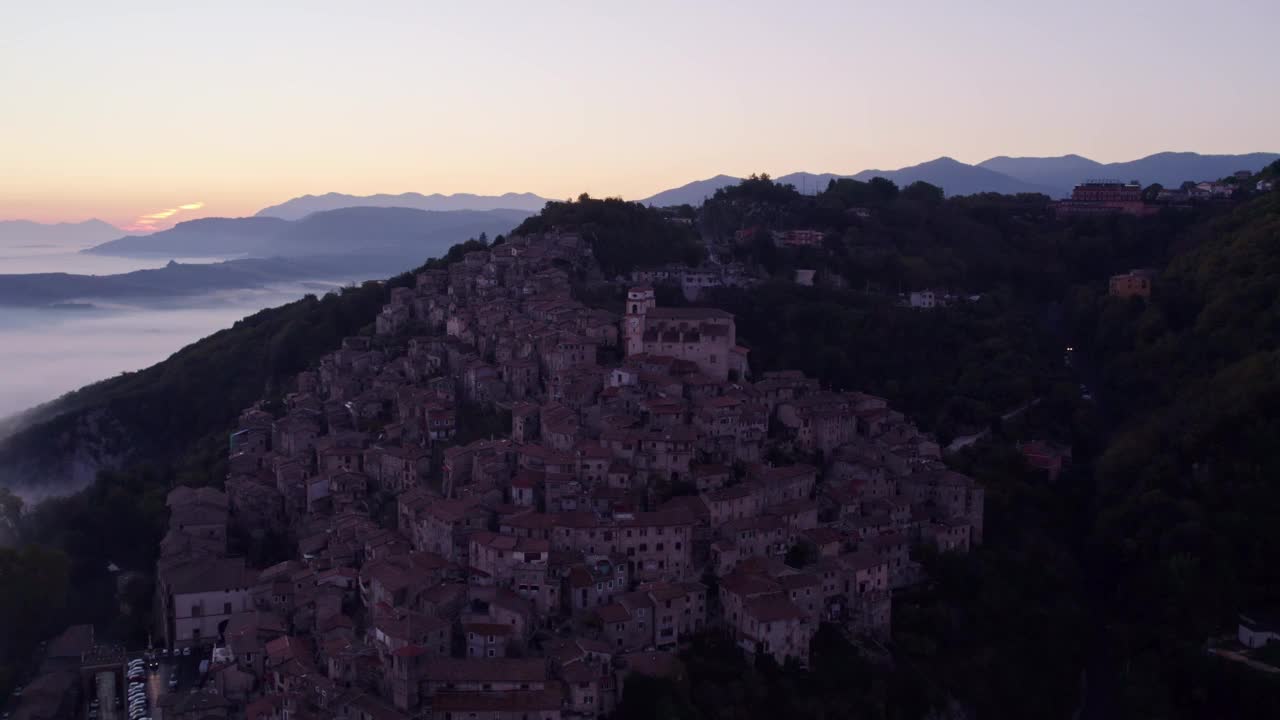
(226, 608)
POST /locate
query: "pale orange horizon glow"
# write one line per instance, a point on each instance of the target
(127, 111)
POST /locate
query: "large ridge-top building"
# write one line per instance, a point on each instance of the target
(706, 337)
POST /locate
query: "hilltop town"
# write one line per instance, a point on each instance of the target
(608, 466)
(641, 485)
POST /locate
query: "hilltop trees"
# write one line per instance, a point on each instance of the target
(623, 235)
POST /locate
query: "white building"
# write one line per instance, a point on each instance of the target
(199, 596)
(924, 299)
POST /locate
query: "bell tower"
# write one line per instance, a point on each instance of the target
(640, 301)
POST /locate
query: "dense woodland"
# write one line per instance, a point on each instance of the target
(1094, 594)
(623, 235)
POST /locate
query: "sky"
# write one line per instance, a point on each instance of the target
(147, 113)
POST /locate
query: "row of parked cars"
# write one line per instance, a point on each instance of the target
(137, 697)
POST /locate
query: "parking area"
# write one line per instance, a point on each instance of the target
(140, 694)
(130, 685)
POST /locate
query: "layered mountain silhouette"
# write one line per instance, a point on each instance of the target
(1166, 168)
(1057, 172)
(347, 244)
(300, 207)
(1053, 176)
(19, 233)
(391, 231)
(956, 178)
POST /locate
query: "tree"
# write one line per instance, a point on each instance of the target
(883, 191)
(645, 697)
(33, 592)
(10, 514)
(801, 554)
(923, 194)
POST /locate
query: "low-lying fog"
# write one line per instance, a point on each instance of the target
(45, 353)
(24, 259)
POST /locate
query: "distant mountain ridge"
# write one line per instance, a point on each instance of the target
(299, 207)
(1053, 176)
(16, 233)
(956, 178)
(390, 231)
(1166, 168)
(1059, 172)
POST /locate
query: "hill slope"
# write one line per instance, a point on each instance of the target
(300, 207)
(1187, 489)
(690, 193)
